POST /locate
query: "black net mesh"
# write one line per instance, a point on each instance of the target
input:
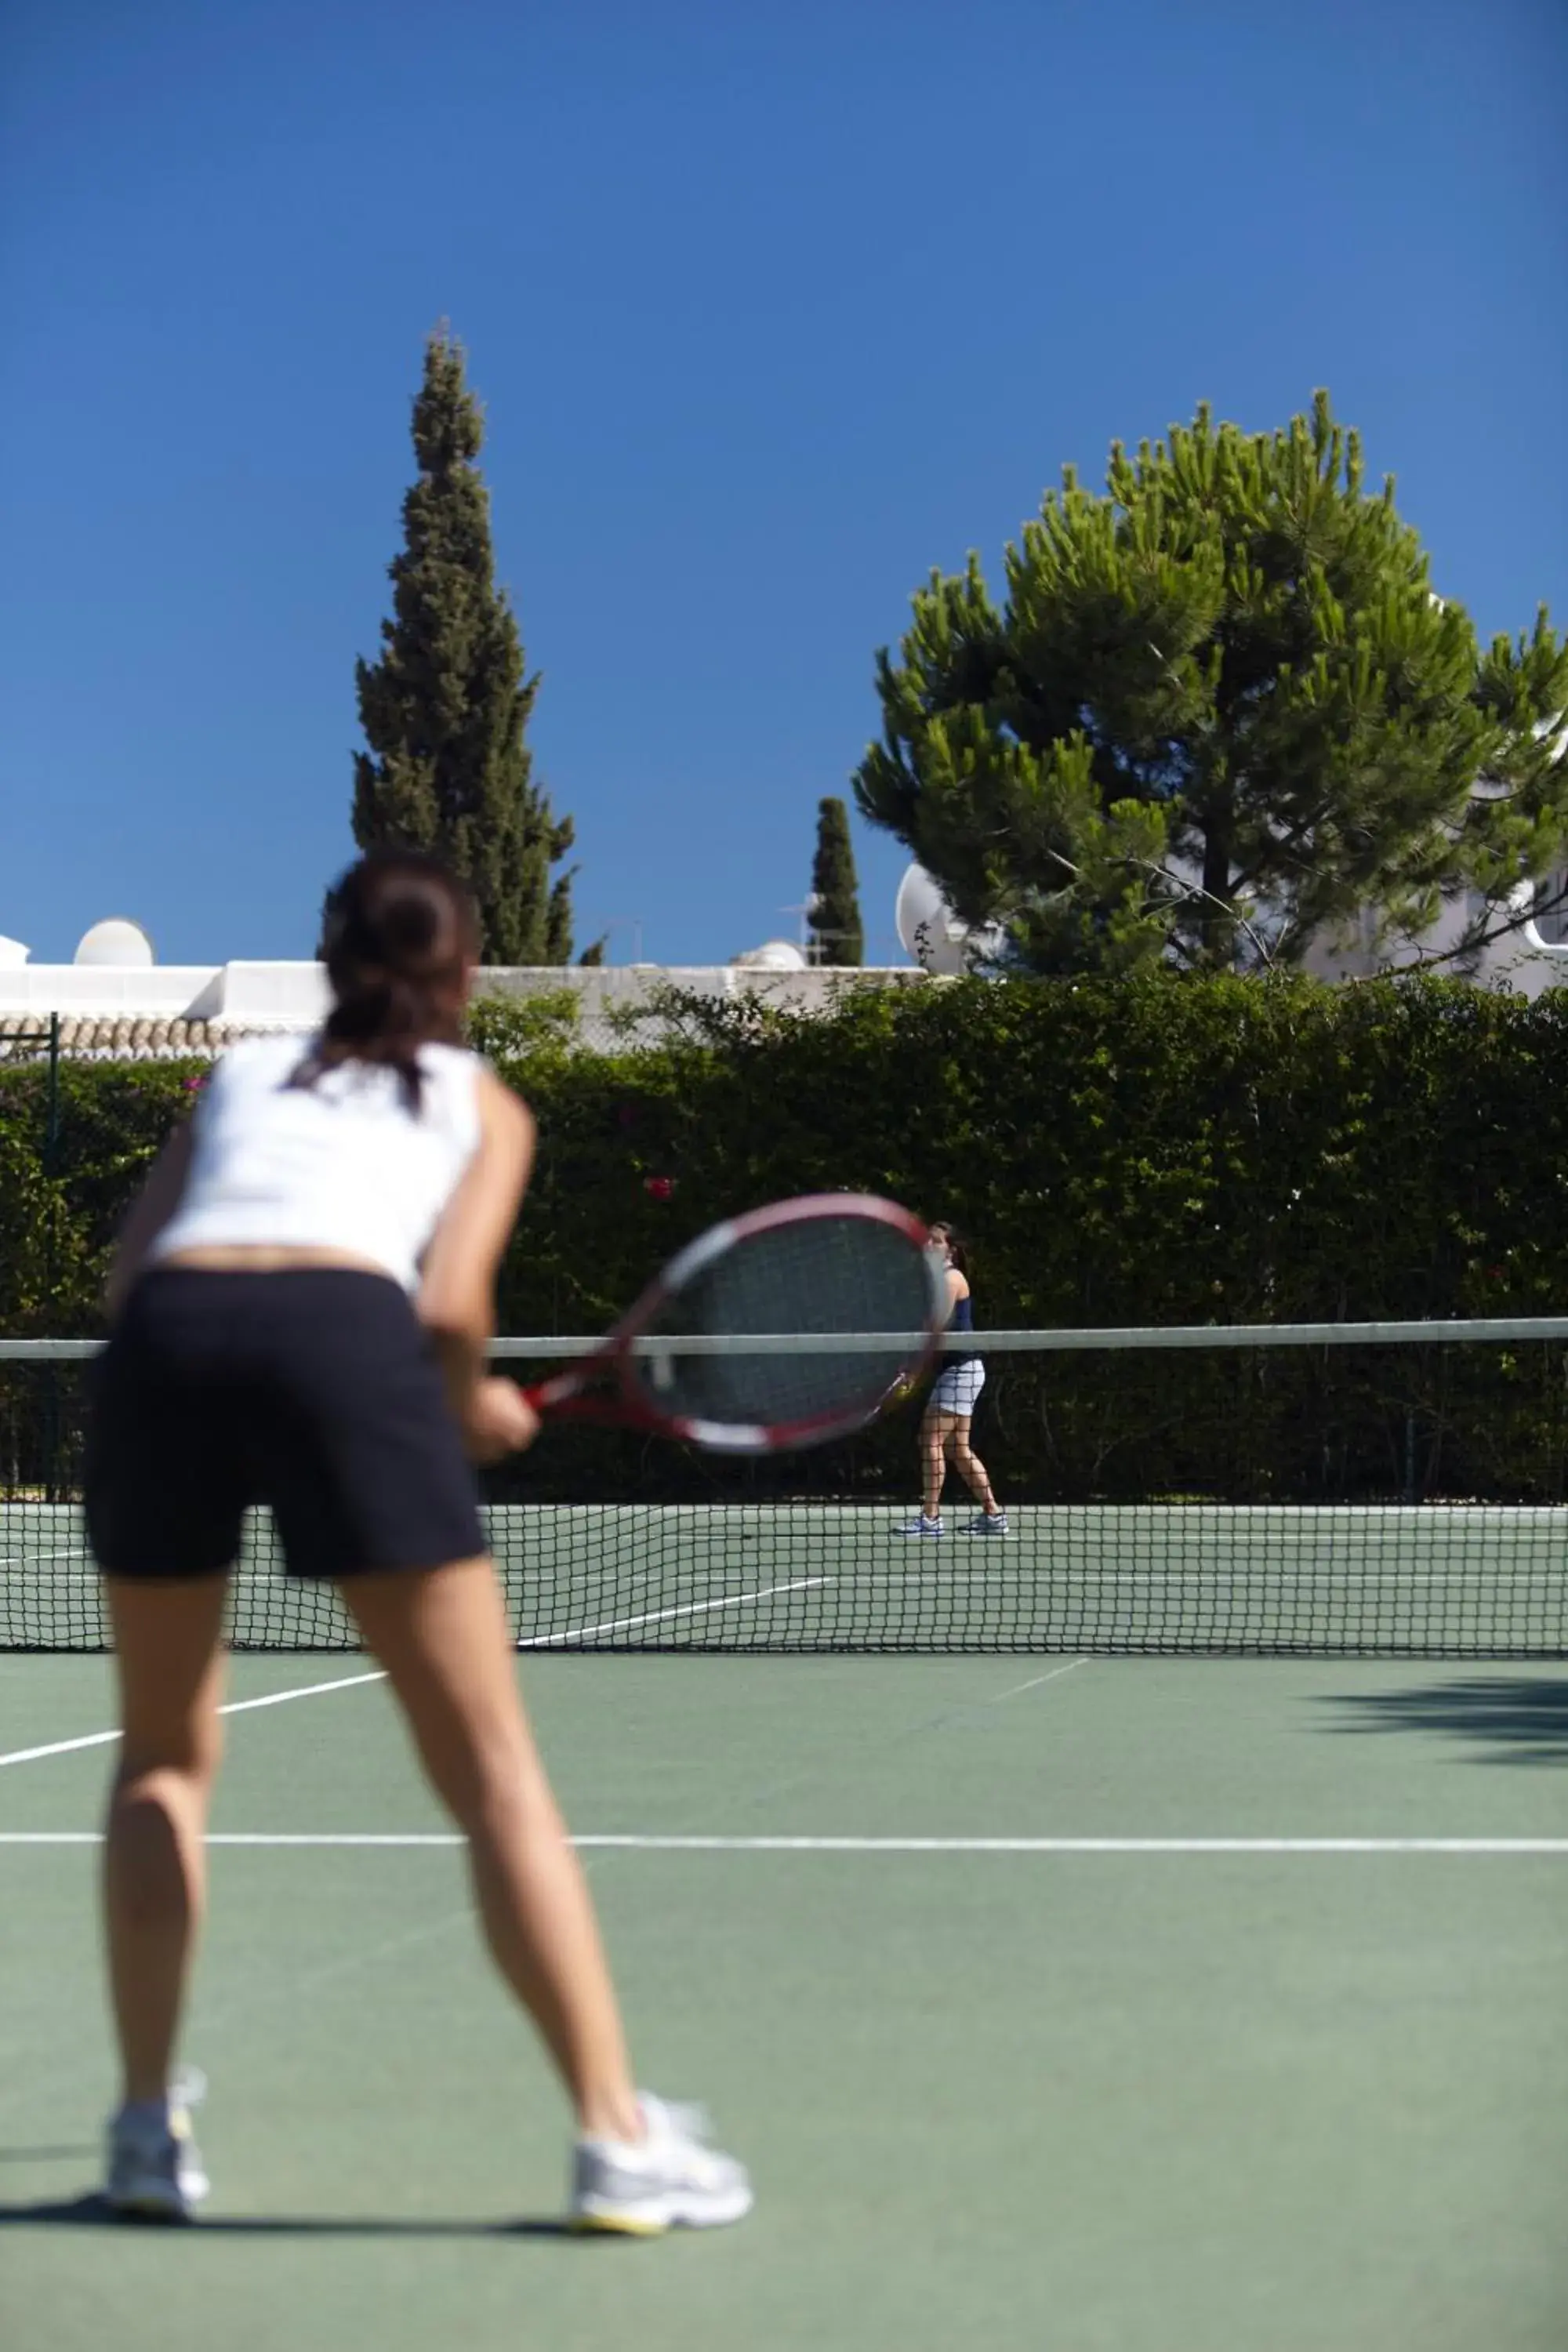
(1386, 1499)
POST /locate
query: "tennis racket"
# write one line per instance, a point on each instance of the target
(799, 1272)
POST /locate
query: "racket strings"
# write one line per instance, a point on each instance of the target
(815, 1277)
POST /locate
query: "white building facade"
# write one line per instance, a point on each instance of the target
(114, 1002)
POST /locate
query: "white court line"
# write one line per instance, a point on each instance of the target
(234, 1707)
(1067, 1845)
(1036, 1681)
(658, 1616)
(351, 1682)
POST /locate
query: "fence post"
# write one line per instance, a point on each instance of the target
(49, 1402)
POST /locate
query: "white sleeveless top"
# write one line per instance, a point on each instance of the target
(341, 1165)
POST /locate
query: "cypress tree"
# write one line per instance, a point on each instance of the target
(445, 707)
(837, 936)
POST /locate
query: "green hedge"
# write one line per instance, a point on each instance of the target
(1157, 1150)
(1154, 1151)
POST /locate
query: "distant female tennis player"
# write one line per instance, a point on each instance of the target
(945, 1426)
(300, 1307)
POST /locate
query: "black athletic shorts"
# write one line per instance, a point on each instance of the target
(314, 1391)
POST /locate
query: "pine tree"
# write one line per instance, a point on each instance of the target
(445, 707)
(837, 936)
(1221, 716)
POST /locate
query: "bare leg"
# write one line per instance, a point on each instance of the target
(971, 1468)
(933, 1461)
(168, 1649)
(443, 1637)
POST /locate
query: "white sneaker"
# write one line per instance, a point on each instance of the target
(988, 1523)
(921, 1526)
(155, 2167)
(673, 2178)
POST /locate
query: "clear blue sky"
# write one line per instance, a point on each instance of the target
(772, 309)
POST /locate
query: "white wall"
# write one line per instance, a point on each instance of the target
(294, 995)
(1524, 962)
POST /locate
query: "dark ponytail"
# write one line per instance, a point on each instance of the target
(398, 938)
(957, 1252)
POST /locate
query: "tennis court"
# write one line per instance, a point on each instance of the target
(1140, 1933)
(1125, 2003)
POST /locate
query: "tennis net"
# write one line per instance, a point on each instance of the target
(1381, 1489)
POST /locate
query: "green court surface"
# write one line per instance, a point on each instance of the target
(1112, 2005)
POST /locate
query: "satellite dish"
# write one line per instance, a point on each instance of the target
(116, 941)
(934, 934)
(13, 954)
(774, 955)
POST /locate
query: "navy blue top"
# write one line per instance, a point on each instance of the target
(961, 1320)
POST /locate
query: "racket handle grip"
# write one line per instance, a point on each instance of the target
(571, 1394)
(564, 1398)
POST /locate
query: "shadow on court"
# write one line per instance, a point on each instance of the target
(90, 2213)
(1515, 1719)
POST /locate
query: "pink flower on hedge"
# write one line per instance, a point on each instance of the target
(661, 1187)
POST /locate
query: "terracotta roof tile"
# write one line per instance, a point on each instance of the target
(124, 1037)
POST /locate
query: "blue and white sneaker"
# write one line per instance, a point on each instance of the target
(155, 2170)
(921, 1526)
(673, 2178)
(988, 1523)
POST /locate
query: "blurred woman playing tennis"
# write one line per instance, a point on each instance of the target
(944, 1427)
(300, 1307)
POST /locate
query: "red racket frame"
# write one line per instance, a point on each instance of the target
(603, 1386)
